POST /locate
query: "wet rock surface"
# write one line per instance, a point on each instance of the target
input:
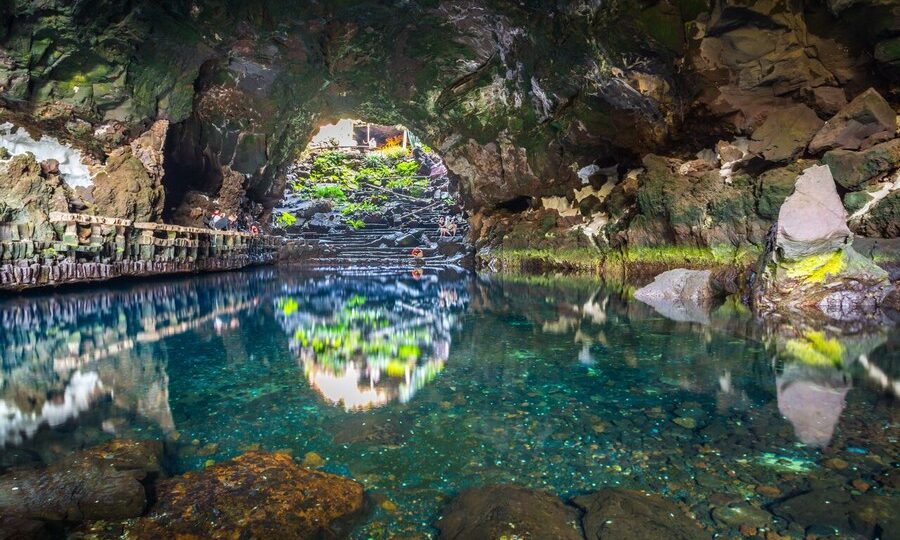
(103, 482)
(619, 514)
(258, 494)
(505, 511)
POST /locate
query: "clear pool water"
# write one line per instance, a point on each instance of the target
(421, 387)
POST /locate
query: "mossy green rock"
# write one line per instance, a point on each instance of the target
(853, 170)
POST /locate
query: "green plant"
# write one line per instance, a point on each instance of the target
(356, 224)
(374, 160)
(335, 193)
(286, 219)
(395, 152)
(365, 206)
(406, 168)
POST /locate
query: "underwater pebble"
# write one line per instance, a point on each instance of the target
(861, 485)
(837, 464)
(686, 422)
(312, 460)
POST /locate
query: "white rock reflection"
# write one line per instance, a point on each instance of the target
(812, 399)
(17, 424)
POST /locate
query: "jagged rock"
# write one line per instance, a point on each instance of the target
(681, 295)
(255, 495)
(812, 220)
(621, 514)
(775, 185)
(865, 121)
(829, 99)
(852, 170)
(307, 209)
(497, 171)
(102, 482)
(49, 166)
(28, 198)
(883, 219)
(499, 511)
(231, 192)
(785, 133)
(126, 190)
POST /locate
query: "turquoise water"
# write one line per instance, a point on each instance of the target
(421, 387)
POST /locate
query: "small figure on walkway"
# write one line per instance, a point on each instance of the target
(417, 253)
(446, 226)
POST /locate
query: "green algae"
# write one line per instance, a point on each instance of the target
(816, 268)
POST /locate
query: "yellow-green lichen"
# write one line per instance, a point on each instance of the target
(815, 349)
(816, 268)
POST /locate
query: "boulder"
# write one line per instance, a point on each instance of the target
(681, 295)
(811, 268)
(49, 166)
(624, 514)
(829, 99)
(104, 482)
(883, 218)
(256, 495)
(307, 209)
(505, 511)
(865, 121)
(852, 170)
(870, 515)
(785, 133)
(812, 220)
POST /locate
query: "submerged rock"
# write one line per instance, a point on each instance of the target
(104, 482)
(620, 514)
(256, 495)
(681, 295)
(504, 511)
(872, 516)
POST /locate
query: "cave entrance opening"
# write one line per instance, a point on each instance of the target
(372, 197)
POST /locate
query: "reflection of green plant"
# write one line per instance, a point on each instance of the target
(288, 306)
(356, 301)
(356, 223)
(816, 349)
(286, 219)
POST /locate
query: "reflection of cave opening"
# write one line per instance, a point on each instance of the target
(370, 195)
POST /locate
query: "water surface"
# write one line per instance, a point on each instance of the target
(419, 387)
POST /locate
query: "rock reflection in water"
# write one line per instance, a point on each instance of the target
(62, 354)
(419, 389)
(364, 342)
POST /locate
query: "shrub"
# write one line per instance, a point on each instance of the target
(406, 168)
(335, 193)
(286, 219)
(356, 224)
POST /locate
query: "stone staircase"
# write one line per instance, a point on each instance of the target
(386, 241)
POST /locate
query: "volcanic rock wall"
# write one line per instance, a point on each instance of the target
(526, 100)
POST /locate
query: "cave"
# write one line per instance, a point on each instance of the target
(449, 269)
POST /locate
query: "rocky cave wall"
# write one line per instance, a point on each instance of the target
(596, 109)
